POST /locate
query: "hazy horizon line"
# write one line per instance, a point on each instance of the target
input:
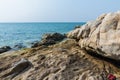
(46, 22)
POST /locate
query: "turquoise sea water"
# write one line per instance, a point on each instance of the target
(15, 33)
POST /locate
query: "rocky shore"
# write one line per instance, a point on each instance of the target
(89, 52)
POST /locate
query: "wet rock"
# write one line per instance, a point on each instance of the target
(53, 36)
(50, 39)
(5, 49)
(19, 46)
(34, 43)
(78, 26)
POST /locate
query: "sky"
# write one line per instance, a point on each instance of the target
(55, 10)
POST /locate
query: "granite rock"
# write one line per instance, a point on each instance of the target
(100, 36)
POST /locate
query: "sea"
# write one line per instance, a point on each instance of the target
(25, 33)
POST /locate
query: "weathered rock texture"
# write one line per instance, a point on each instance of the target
(62, 61)
(92, 54)
(101, 36)
(17, 68)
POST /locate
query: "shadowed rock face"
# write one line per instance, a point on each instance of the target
(49, 39)
(5, 49)
(101, 35)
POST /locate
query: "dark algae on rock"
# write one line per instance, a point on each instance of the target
(5, 49)
(50, 39)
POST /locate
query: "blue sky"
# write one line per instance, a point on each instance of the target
(55, 10)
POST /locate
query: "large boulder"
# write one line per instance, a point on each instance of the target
(101, 36)
(5, 49)
(50, 39)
